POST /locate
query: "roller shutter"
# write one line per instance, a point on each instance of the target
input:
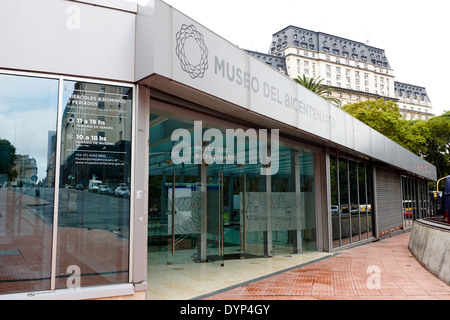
(389, 200)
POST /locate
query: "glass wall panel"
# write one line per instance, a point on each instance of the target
(370, 207)
(286, 223)
(307, 182)
(344, 201)
(335, 208)
(254, 213)
(415, 200)
(351, 201)
(354, 201)
(224, 206)
(94, 196)
(28, 117)
(175, 195)
(363, 205)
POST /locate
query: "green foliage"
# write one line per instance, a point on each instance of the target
(385, 117)
(438, 144)
(427, 139)
(315, 85)
(7, 158)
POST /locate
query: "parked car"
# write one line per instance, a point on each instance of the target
(79, 186)
(103, 189)
(122, 191)
(334, 210)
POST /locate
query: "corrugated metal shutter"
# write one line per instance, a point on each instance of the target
(389, 200)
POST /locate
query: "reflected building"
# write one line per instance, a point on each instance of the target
(413, 101)
(27, 170)
(95, 126)
(49, 180)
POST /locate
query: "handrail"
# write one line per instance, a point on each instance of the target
(437, 184)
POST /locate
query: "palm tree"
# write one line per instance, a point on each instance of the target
(314, 84)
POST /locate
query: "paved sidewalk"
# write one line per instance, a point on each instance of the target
(383, 270)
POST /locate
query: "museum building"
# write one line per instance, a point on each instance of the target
(154, 139)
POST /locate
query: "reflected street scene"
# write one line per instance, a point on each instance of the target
(28, 117)
(94, 205)
(93, 198)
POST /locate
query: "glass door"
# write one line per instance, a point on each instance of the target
(255, 207)
(183, 215)
(236, 216)
(223, 224)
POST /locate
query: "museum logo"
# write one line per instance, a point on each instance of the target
(236, 147)
(192, 51)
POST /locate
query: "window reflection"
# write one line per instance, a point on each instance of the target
(344, 205)
(351, 201)
(94, 196)
(224, 209)
(28, 113)
(415, 200)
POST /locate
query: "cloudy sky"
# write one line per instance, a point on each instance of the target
(413, 33)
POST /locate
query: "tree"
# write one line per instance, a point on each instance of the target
(427, 139)
(385, 117)
(7, 158)
(438, 144)
(315, 85)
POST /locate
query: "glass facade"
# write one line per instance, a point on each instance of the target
(352, 212)
(28, 119)
(216, 190)
(95, 179)
(217, 204)
(416, 202)
(64, 221)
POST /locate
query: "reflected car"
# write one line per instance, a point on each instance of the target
(334, 210)
(103, 189)
(122, 191)
(408, 213)
(79, 186)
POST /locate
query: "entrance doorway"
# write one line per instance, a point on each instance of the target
(200, 212)
(229, 221)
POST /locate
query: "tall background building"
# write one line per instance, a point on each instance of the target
(413, 101)
(354, 71)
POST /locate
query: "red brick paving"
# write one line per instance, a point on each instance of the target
(25, 241)
(344, 277)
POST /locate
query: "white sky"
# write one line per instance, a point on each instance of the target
(413, 33)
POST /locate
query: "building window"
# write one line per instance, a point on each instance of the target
(95, 158)
(27, 176)
(352, 216)
(184, 187)
(91, 237)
